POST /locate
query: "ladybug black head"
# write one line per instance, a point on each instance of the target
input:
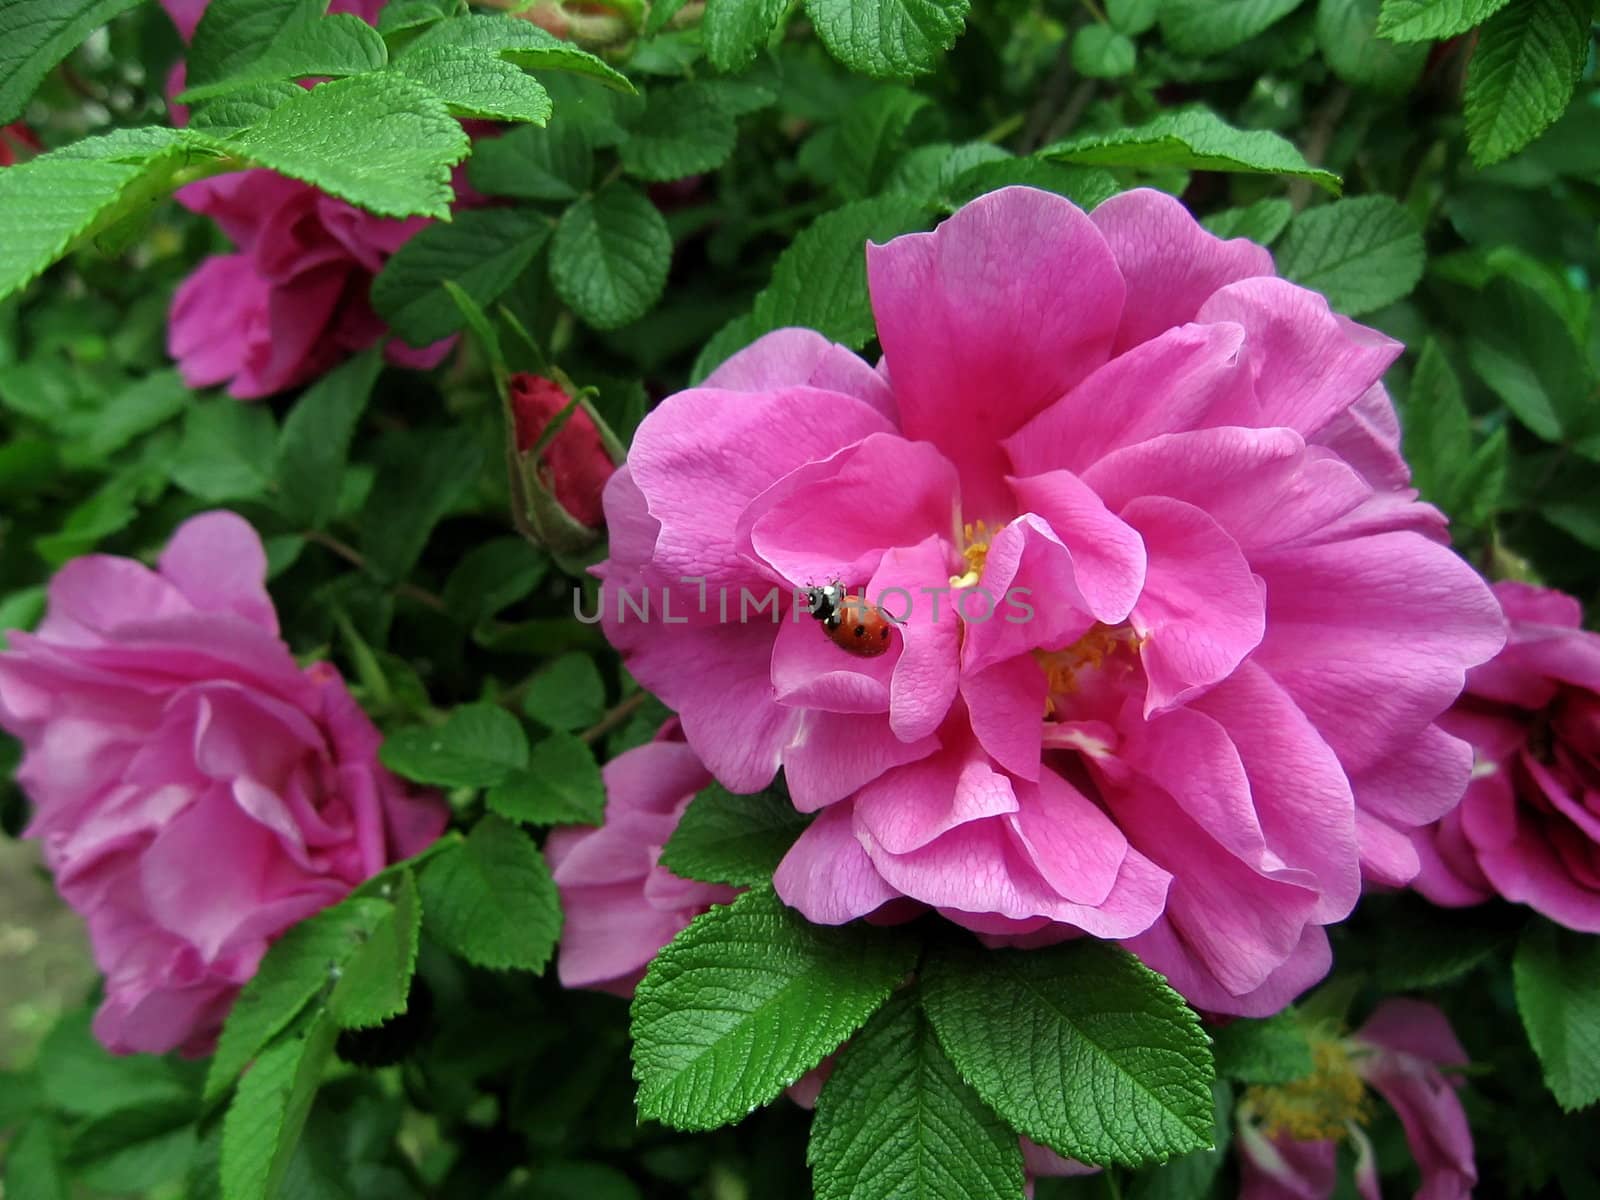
(823, 603)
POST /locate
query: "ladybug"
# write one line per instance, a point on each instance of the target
(850, 622)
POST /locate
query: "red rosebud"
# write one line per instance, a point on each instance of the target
(574, 466)
(17, 142)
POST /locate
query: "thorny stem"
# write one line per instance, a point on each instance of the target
(356, 559)
(614, 716)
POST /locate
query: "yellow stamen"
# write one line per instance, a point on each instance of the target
(976, 534)
(1319, 1107)
(1061, 667)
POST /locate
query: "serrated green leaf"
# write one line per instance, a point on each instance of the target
(610, 256)
(37, 34)
(80, 1078)
(872, 138)
(1201, 28)
(736, 30)
(554, 163)
(1422, 946)
(315, 440)
(724, 838)
(1522, 349)
(477, 84)
(567, 694)
(297, 968)
(1084, 186)
(1429, 20)
(483, 251)
(517, 41)
(231, 34)
(746, 1000)
(227, 450)
(1523, 72)
(227, 115)
(1270, 1051)
(1362, 253)
(491, 576)
(560, 786)
(1132, 16)
(66, 198)
(1347, 35)
(1080, 1047)
(491, 899)
(143, 405)
(334, 46)
(684, 131)
(1100, 52)
(477, 746)
(399, 16)
(888, 39)
(1555, 971)
(1261, 222)
(1194, 139)
(820, 281)
(33, 1167)
(421, 474)
(895, 1119)
(375, 979)
(269, 1111)
(378, 140)
(134, 1150)
(1190, 1176)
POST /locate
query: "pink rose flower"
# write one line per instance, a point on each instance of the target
(1529, 826)
(292, 302)
(195, 791)
(1207, 627)
(620, 905)
(1288, 1137)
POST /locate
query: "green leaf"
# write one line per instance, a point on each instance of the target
(746, 1000)
(475, 84)
(296, 969)
(134, 1150)
(1347, 35)
(872, 137)
(1100, 52)
(1430, 20)
(491, 576)
(234, 33)
(1132, 16)
(610, 256)
(227, 450)
(380, 141)
(724, 838)
(1084, 186)
(239, 110)
(67, 198)
(336, 46)
(1362, 253)
(1523, 350)
(375, 979)
(736, 30)
(685, 130)
(315, 441)
(1422, 946)
(1466, 482)
(567, 694)
(80, 1078)
(554, 163)
(477, 746)
(491, 900)
(888, 39)
(1080, 1047)
(1268, 1052)
(33, 1167)
(560, 786)
(21, 610)
(1523, 73)
(483, 251)
(1555, 971)
(1190, 1176)
(37, 34)
(894, 1119)
(138, 408)
(268, 1113)
(1194, 139)
(820, 281)
(1261, 222)
(421, 475)
(518, 41)
(1201, 28)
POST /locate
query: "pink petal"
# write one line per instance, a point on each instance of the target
(907, 809)
(827, 876)
(834, 754)
(218, 562)
(927, 673)
(1108, 557)
(802, 358)
(988, 320)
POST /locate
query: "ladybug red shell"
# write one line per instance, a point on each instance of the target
(850, 622)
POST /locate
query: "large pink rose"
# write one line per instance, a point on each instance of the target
(1529, 826)
(1214, 707)
(195, 791)
(620, 904)
(292, 302)
(1289, 1137)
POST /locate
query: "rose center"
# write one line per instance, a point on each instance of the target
(975, 550)
(1102, 647)
(1321, 1106)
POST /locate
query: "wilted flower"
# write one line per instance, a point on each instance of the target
(620, 905)
(1528, 828)
(1175, 630)
(195, 791)
(1289, 1136)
